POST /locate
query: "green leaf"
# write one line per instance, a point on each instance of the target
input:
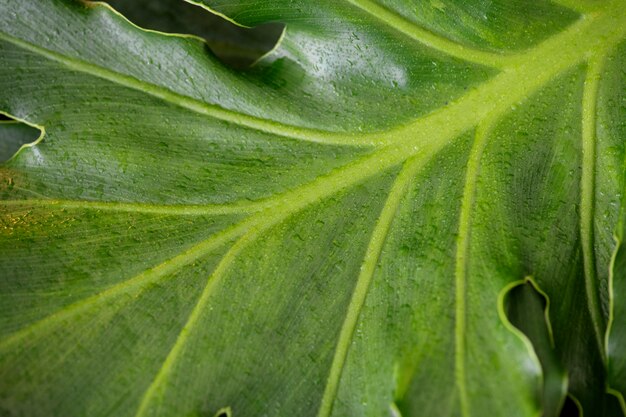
(327, 234)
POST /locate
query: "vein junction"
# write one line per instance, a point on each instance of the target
(423, 137)
(419, 140)
(430, 133)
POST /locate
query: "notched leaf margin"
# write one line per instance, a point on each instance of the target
(42, 134)
(501, 306)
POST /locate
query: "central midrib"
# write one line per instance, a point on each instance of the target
(432, 133)
(545, 63)
(429, 134)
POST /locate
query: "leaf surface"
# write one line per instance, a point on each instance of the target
(331, 233)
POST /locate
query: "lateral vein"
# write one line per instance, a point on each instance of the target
(149, 208)
(437, 127)
(364, 280)
(429, 38)
(461, 263)
(411, 143)
(137, 284)
(166, 368)
(257, 225)
(189, 103)
(587, 191)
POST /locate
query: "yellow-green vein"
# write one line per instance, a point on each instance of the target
(137, 284)
(364, 281)
(618, 238)
(587, 190)
(275, 210)
(532, 70)
(430, 134)
(461, 263)
(428, 38)
(160, 378)
(189, 103)
(148, 208)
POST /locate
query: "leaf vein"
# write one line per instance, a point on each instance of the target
(587, 191)
(189, 103)
(162, 375)
(364, 280)
(137, 284)
(429, 38)
(461, 262)
(148, 208)
(435, 126)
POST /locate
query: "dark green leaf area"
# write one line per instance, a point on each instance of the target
(406, 208)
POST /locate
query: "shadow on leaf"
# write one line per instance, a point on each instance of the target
(236, 46)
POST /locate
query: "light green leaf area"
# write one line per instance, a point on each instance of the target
(332, 233)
